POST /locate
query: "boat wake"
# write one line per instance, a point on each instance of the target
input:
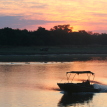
(102, 88)
(98, 85)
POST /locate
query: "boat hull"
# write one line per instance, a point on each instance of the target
(72, 88)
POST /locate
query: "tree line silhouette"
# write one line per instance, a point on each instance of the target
(57, 36)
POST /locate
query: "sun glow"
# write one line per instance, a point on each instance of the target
(87, 15)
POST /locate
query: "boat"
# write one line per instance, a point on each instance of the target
(84, 86)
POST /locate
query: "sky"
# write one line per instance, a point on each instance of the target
(89, 15)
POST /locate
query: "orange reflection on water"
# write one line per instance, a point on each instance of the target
(35, 84)
(96, 66)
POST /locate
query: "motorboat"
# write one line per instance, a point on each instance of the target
(84, 86)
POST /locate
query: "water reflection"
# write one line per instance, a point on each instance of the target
(75, 99)
(34, 84)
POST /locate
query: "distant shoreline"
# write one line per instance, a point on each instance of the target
(51, 57)
(46, 53)
(53, 50)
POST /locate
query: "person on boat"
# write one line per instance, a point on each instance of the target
(87, 82)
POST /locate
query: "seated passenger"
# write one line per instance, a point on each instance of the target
(87, 82)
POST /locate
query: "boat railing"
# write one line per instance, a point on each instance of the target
(89, 73)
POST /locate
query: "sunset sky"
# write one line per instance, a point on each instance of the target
(89, 15)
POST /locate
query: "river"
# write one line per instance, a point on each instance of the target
(34, 84)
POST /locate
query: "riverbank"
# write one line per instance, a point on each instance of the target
(44, 54)
(53, 50)
(52, 57)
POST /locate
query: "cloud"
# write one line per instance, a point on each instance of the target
(17, 22)
(88, 14)
(100, 14)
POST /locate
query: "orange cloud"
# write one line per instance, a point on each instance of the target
(79, 13)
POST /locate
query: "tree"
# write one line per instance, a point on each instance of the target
(65, 28)
(40, 29)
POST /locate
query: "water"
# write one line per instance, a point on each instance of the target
(34, 84)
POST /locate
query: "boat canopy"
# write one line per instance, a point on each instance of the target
(80, 72)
